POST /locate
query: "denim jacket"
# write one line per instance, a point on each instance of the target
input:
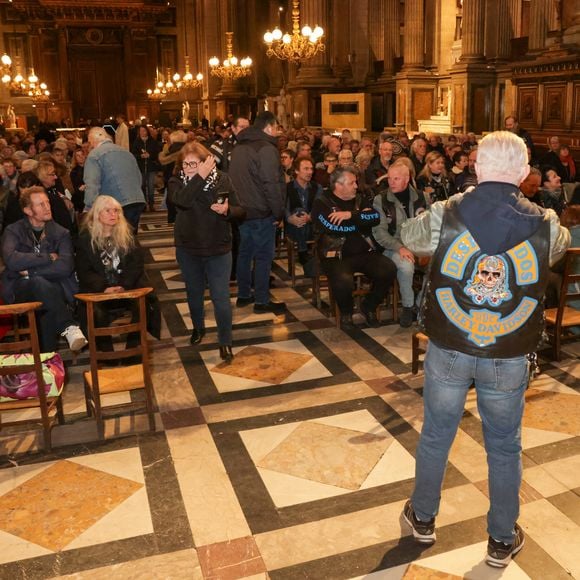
(112, 170)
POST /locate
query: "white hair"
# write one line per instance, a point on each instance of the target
(98, 135)
(502, 156)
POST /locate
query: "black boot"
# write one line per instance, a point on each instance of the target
(197, 336)
(226, 353)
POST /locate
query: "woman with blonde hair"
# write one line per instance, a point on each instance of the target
(108, 259)
(432, 180)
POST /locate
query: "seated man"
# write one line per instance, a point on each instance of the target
(38, 254)
(395, 205)
(343, 221)
(551, 191)
(301, 193)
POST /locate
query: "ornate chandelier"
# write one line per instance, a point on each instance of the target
(231, 68)
(39, 93)
(187, 81)
(17, 83)
(296, 47)
(163, 88)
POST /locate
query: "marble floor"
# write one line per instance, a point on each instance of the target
(293, 462)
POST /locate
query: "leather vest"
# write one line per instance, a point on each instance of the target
(485, 306)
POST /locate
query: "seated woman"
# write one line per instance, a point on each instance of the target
(206, 203)
(108, 260)
(432, 180)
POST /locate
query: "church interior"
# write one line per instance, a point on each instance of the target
(295, 460)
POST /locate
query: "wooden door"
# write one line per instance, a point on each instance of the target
(98, 84)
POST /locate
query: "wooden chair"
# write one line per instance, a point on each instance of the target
(291, 253)
(26, 341)
(101, 381)
(564, 317)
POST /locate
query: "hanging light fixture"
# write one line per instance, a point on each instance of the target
(163, 88)
(187, 81)
(299, 46)
(39, 93)
(232, 68)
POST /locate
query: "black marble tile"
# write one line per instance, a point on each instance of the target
(553, 451)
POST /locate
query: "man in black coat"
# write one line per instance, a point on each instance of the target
(257, 176)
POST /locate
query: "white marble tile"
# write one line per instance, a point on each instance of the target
(543, 482)
(239, 315)
(566, 470)
(535, 437)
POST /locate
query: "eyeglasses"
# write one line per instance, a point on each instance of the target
(191, 164)
(332, 160)
(112, 210)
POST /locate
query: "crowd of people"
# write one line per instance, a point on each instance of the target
(70, 210)
(351, 196)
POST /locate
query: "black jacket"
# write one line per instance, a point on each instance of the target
(198, 229)
(91, 271)
(152, 147)
(257, 175)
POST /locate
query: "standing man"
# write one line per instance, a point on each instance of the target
(112, 170)
(122, 132)
(491, 250)
(257, 175)
(512, 124)
(222, 148)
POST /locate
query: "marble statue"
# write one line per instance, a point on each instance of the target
(185, 113)
(11, 117)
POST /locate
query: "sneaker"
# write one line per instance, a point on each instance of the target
(75, 338)
(241, 302)
(499, 555)
(275, 307)
(406, 318)
(423, 532)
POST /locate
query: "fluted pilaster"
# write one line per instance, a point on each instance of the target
(391, 34)
(315, 13)
(538, 25)
(414, 37)
(504, 30)
(515, 12)
(377, 28)
(473, 40)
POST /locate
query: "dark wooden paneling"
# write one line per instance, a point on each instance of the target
(422, 106)
(480, 103)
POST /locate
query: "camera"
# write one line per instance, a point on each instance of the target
(222, 196)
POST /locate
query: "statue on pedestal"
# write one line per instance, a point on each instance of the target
(10, 117)
(185, 113)
(281, 114)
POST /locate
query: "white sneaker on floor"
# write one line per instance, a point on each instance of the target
(75, 338)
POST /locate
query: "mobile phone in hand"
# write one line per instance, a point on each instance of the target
(222, 196)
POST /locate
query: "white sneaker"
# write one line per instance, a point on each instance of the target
(75, 338)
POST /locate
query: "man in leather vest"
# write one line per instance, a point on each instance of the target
(491, 250)
(343, 220)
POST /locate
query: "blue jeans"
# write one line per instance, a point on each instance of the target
(405, 272)
(216, 269)
(53, 316)
(299, 235)
(257, 243)
(500, 385)
(149, 186)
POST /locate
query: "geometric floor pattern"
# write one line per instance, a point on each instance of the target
(293, 462)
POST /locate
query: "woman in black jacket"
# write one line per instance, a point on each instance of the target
(108, 260)
(206, 202)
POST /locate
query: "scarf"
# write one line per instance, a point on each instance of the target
(211, 180)
(569, 161)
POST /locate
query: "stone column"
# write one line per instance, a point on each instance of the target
(377, 28)
(63, 65)
(515, 12)
(342, 35)
(538, 25)
(317, 70)
(473, 42)
(414, 36)
(504, 30)
(391, 35)
(571, 22)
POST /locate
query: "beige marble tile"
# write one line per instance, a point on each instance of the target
(330, 455)
(543, 482)
(395, 339)
(287, 402)
(547, 383)
(162, 254)
(554, 532)
(172, 387)
(182, 565)
(239, 315)
(15, 548)
(205, 487)
(62, 508)
(335, 535)
(264, 365)
(230, 560)
(409, 405)
(535, 437)
(354, 356)
(469, 457)
(552, 411)
(565, 470)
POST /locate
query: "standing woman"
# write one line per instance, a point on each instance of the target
(76, 176)
(206, 202)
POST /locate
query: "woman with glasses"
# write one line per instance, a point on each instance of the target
(206, 203)
(108, 260)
